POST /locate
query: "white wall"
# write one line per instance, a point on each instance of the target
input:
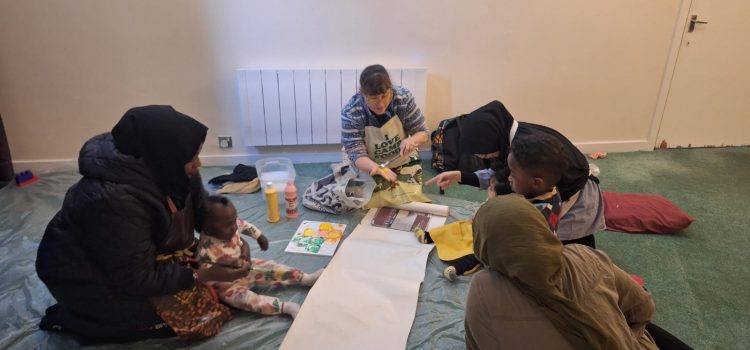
(69, 69)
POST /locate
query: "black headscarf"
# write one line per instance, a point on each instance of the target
(166, 140)
(486, 130)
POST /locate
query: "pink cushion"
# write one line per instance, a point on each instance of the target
(638, 212)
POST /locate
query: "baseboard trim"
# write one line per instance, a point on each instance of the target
(250, 159)
(615, 146)
(295, 157)
(49, 165)
(46, 165)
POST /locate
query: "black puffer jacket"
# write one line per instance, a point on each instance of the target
(98, 254)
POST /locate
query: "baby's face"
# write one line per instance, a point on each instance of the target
(222, 221)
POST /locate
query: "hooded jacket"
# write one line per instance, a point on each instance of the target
(537, 293)
(98, 254)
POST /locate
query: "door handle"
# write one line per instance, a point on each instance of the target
(693, 21)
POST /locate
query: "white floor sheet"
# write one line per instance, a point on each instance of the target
(367, 297)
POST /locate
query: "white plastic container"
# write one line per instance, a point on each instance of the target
(279, 171)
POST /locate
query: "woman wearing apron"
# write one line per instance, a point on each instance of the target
(381, 128)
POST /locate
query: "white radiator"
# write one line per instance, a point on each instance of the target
(303, 106)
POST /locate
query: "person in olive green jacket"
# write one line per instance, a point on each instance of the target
(536, 293)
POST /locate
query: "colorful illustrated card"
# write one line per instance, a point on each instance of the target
(316, 238)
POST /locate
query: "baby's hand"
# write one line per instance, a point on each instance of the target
(245, 251)
(491, 192)
(263, 243)
(491, 188)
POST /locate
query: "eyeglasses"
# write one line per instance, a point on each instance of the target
(378, 98)
(488, 155)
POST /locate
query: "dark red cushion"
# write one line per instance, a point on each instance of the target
(638, 212)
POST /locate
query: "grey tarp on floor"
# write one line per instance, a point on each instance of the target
(24, 213)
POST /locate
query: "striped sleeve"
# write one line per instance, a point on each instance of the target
(353, 130)
(410, 114)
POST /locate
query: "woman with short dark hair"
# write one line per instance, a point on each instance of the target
(381, 129)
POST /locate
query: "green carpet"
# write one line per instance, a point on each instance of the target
(700, 278)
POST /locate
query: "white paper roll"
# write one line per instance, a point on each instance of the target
(434, 209)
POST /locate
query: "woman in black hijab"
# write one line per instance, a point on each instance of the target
(488, 132)
(113, 243)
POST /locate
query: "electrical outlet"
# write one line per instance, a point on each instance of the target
(225, 142)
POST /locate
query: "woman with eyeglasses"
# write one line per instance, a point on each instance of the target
(381, 128)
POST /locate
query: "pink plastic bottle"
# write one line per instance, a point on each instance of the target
(290, 194)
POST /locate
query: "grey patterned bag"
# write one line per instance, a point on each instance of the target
(339, 192)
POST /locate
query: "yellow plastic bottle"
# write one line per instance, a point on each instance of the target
(272, 201)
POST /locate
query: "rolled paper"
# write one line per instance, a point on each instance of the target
(434, 209)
